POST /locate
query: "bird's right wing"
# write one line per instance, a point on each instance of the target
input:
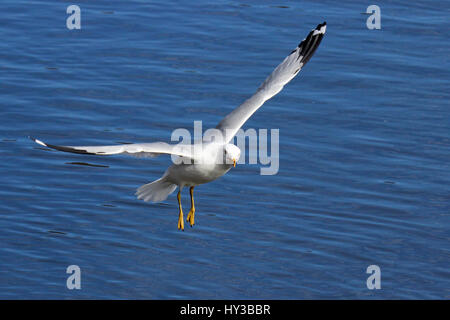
(274, 83)
(135, 149)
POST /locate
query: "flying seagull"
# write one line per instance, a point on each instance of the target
(213, 159)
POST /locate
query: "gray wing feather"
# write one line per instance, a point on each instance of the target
(282, 74)
(135, 149)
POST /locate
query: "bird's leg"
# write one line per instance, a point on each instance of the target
(190, 217)
(180, 217)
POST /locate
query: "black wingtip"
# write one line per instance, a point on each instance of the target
(320, 26)
(38, 141)
(312, 42)
(60, 148)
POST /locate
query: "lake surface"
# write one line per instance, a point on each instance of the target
(364, 151)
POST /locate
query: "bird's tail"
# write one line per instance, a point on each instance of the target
(156, 191)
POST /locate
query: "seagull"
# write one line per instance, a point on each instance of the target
(198, 165)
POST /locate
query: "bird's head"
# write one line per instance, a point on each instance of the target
(231, 154)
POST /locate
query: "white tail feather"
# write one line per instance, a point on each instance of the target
(156, 191)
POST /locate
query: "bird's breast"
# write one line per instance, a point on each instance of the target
(194, 174)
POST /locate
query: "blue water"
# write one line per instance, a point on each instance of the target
(364, 150)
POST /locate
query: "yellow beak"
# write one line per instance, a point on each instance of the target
(234, 162)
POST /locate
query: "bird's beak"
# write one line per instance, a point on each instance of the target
(234, 163)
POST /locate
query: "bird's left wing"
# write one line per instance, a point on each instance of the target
(282, 74)
(135, 149)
